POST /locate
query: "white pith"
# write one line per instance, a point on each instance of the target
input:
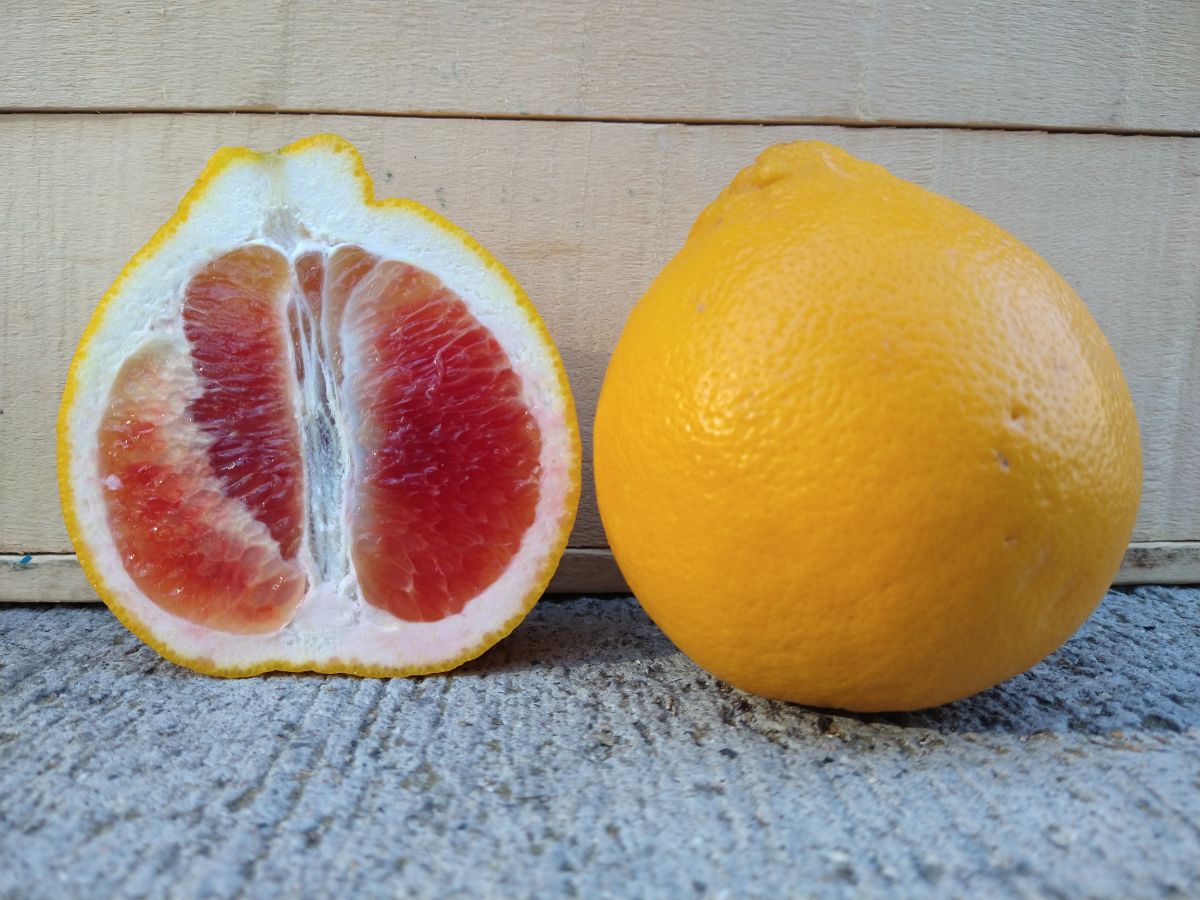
(294, 203)
(326, 547)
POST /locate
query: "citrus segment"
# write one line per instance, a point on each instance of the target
(232, 317)
(190, 546)
(446, 467)
(342, 440)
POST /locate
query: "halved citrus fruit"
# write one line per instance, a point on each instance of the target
(311, 430)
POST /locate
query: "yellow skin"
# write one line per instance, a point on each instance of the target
(77, 531)
(859, 447)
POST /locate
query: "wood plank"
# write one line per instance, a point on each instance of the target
(585, 214)
(58, 578)
(44, 578)
(1109, 64)
(586, 572)
(1166, 562)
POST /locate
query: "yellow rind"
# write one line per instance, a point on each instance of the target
(220, 161)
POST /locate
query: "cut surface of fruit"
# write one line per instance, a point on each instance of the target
(310, 430)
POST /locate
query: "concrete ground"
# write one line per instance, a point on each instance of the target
(585, 757)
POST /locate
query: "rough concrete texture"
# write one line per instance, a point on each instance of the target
(584, 756)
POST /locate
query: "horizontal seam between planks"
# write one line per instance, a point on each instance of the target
(700, 122)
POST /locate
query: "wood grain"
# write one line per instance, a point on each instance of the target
(585, 214)
(1110, 64)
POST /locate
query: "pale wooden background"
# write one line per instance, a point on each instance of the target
(578, 142)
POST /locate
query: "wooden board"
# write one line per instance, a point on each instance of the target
(1109, 65)
(585, 214)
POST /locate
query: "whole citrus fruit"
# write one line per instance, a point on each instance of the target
(860, 447)
(309, 429)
